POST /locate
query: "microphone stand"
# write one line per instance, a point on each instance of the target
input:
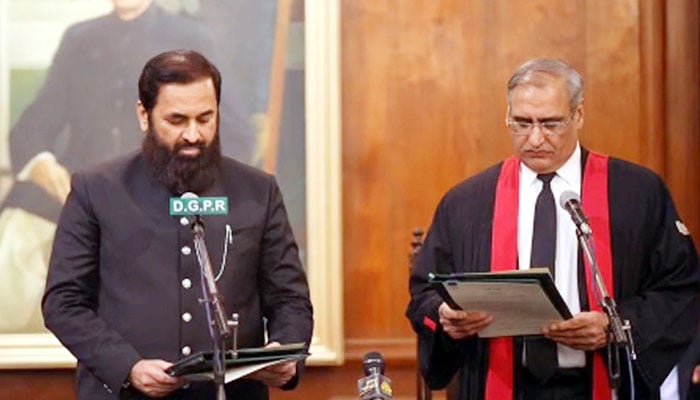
(219, 327)
(619, 331)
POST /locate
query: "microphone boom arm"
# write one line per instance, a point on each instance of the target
(214, 297)
(219, 328)
(619, 331)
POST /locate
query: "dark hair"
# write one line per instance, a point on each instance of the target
(177, 66)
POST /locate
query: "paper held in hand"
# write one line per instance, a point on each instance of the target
(198, 366)
(521, 302)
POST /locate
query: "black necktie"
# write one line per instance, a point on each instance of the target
(541, 353)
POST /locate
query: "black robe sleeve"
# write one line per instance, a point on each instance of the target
(439, 356)
(458, 240)
(657, 279)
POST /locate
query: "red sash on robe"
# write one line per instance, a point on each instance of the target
(504, 248)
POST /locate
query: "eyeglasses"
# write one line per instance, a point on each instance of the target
(550, 127)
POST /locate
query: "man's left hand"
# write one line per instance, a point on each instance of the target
(278, 374)
(586, 331)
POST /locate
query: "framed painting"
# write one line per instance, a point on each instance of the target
(282, 91)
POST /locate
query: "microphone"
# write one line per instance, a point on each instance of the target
(571, 202)
(374, 386)
(621, 330)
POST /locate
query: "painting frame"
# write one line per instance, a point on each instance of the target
(323, 194)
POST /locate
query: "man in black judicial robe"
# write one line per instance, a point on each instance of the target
(655, 266)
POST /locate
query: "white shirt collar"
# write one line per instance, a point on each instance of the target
(570, 172)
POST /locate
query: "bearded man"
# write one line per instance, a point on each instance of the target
(123, 287)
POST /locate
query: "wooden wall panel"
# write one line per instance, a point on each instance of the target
(653, 91)
(682, 133)
(402, 153)
(611, 71)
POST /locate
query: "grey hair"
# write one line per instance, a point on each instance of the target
(524, 74)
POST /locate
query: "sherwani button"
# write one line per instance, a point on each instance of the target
(186, 351)
(186, 283)
(184, 221)
(187, 317)
(186, 250)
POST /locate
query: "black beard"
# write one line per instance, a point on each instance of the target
(182, 174)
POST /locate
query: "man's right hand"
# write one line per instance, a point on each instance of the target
(459, 324)
(53, 177)
(149, 377)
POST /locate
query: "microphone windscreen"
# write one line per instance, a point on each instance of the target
(189, 195)
(373, 360)
(568, 196)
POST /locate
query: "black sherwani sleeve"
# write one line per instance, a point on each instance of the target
(284, 291)
(71, 299)
(283, 281)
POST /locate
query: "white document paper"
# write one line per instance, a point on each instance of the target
(518, 308)
(237, 372)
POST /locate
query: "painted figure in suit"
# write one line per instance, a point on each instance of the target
(123, 284)
(83, 115)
